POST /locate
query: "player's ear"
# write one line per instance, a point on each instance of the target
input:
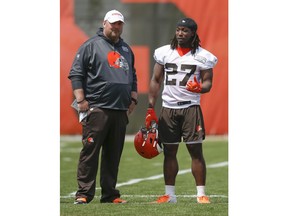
(104, 23)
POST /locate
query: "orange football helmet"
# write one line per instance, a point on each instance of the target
(146, 143)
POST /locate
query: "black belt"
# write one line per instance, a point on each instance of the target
(183, 102)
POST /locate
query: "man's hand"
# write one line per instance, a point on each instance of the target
(131, 108)
(150, 117)
(194, 86)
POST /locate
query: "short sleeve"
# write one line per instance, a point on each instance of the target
(160, 53)
(207, 59)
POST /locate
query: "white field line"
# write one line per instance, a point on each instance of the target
(180, 172)
(130, 138)
(150, 196)
(135, 181)
(183, 196)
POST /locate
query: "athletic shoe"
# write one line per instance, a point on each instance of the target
(81, 200)
(166, 199)
(118, 200)
(203, 199)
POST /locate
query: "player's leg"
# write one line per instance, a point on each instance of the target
(170, 170)
(169, 134)
(198, 168)
(170, 166)
(198, 165)
(193, 135)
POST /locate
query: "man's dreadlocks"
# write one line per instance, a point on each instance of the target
(194, 44)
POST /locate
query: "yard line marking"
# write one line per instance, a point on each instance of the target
(183, 196)
(135, 181)
(216, 165)
(152, 196)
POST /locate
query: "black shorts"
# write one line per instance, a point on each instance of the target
(187, 123)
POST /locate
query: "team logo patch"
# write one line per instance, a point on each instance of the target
(90, 140)
(201, 59)
(125, 49)
(198, 128)
(117, 61)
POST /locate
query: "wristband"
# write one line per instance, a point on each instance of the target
(134, 100)
(80, 101)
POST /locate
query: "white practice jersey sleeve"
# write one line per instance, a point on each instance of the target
(178, 71)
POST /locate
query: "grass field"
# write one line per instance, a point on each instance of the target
(140, 181)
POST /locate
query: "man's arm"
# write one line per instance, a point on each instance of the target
(155, 84)
(207, 78)
(134, 101)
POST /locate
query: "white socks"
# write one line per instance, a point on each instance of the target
(170, 190)
(200, 190)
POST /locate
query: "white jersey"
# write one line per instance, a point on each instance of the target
(178, 71)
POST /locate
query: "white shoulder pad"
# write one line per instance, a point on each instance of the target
(160, 53)
(207, 59)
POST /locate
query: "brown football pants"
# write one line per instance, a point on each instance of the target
(102, 129)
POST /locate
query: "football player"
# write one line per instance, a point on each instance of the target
(186, 71)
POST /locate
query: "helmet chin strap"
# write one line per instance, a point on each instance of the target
(156, 140)
(159, 149)
(154, 125)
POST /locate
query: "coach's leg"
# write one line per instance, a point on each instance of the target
(111, 155)
(89, 155)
